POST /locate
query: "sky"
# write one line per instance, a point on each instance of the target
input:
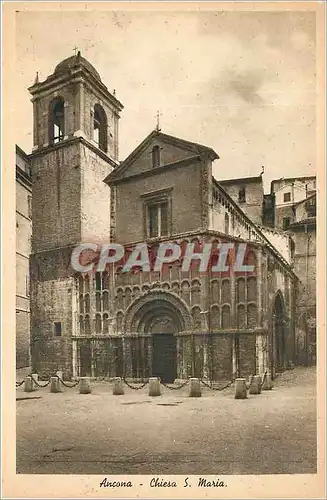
(242, 83)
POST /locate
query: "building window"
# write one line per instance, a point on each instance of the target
(286, 222)
(157, 213)
(57, 120)
(287, 197)
(29, 207)
(155, 156)
(241, 196)
(100, 127)
(57, 329)
(158, 220)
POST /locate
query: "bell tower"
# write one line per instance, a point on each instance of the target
(75, 135)
(75, 148)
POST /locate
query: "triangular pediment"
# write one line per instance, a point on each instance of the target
(172, 151)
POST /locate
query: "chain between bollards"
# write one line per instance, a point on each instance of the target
(69, 386)
(216, 388)
(134, 387)
(174, 388)
(36, 382)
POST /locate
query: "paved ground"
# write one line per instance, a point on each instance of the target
(69, 433)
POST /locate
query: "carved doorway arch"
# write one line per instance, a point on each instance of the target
(161, 316)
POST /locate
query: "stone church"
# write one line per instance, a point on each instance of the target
(173, 324)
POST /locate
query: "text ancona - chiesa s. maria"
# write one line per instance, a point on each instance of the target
(172, 324)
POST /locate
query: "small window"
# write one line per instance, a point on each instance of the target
(286, 222)
(155, 156)
(241, 196)
(287, 197)
(158, 220)
(57, 329)
(314, 184)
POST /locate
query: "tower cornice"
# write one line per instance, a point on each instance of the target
(40, 151)
(54, 82)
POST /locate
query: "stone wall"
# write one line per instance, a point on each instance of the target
(186, 202)
(252, 205)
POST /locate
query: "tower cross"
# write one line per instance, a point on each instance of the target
(158, 121)
(75, 49)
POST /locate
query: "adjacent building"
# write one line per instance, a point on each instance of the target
(23, 248)
(303, 232)
(287, 192)
(248, 194)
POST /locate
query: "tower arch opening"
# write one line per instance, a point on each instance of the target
(100, 127)
(56, 120)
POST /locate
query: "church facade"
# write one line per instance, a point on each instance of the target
(173, 323)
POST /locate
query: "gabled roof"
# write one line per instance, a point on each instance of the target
(192, 147)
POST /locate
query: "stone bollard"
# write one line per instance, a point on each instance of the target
(28, 384)
(195, 388)
(117, 388)
(35, 377)
(154, 387)
(240, 388)
(55, 385)
(255, 387)
(84, 385)
(267, 383)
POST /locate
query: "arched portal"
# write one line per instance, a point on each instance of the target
(161, 316)
(279, 332)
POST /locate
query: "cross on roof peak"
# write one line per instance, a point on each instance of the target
(158, 121)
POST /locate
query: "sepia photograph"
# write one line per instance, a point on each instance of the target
(167, 193)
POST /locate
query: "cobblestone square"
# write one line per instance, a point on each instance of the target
(98, 433)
